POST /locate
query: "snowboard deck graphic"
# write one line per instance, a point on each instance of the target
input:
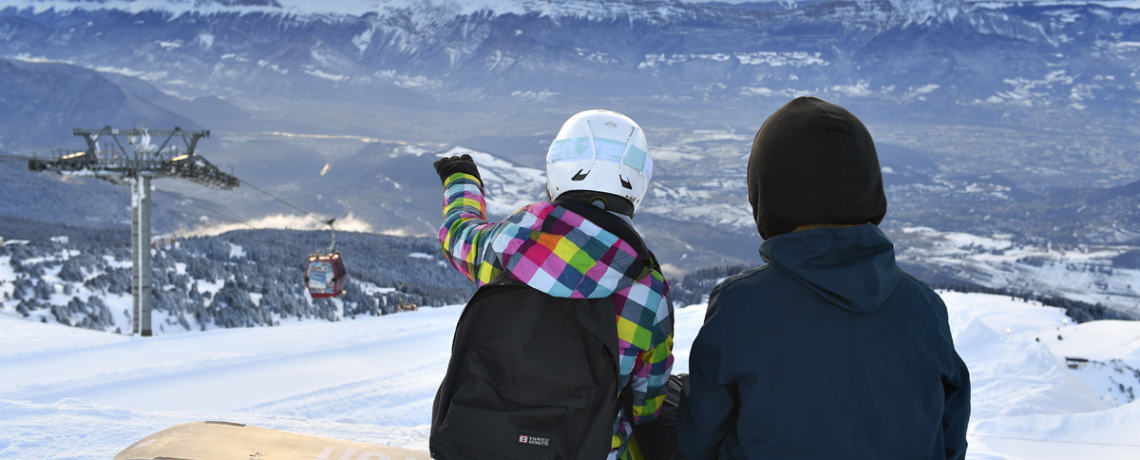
(234, 441)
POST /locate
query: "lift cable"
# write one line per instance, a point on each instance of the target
(230, 218)
(211, 211)
(286, 203)
(17, 158)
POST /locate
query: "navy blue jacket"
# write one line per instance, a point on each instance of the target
(829, 352)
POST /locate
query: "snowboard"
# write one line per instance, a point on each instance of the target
(234, 441)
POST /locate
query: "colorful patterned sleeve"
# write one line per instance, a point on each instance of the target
(654, 342)
(465, 234)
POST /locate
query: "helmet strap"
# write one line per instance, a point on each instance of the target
(609, 201)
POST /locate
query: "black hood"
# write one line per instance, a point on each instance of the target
(813, 162)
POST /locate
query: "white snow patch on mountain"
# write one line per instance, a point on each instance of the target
(327, 76)
(363, 40)
(507, 186)
(426, 12)
(423, 10)
(350, 223)
(920, 92)
(996, 4)
(370, 288)
(1083, 273)
(178, 7)
(859, 89)
(446, 9)
(770, 58)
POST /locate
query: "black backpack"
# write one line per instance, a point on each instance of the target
(531, 377)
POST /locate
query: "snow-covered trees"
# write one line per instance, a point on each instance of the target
(238, 279)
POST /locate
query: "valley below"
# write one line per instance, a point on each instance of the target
(1006, 132)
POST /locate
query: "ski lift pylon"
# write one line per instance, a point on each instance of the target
(324, 271)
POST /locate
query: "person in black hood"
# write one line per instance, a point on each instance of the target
(830, 350)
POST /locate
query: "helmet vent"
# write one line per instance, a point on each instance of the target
(581, 176)
(625, 183)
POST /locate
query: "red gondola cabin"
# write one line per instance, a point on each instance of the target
(324, 275)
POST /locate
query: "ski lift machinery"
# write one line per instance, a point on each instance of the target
(324, 272)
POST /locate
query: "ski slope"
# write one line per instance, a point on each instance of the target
(71, 393)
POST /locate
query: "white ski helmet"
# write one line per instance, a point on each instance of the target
(601, 151)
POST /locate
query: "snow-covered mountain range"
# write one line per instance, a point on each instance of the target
(933, 53)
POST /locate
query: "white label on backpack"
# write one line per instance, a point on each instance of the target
(534, 440)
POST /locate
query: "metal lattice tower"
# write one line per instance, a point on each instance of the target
(144, 163)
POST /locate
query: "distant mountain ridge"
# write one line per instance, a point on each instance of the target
(936, 53)
(910, 10)
(41, 101)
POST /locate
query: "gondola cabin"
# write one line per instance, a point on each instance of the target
(324, 275)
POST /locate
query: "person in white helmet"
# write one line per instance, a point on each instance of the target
(567, 344)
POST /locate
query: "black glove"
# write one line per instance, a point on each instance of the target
(658, 438)
(445, 167)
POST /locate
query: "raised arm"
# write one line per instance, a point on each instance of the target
(465, 235)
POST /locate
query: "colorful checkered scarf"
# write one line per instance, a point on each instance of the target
(558, 252)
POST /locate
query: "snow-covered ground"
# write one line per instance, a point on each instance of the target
(75, 393)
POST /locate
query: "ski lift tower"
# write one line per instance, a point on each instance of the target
(112, 162)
